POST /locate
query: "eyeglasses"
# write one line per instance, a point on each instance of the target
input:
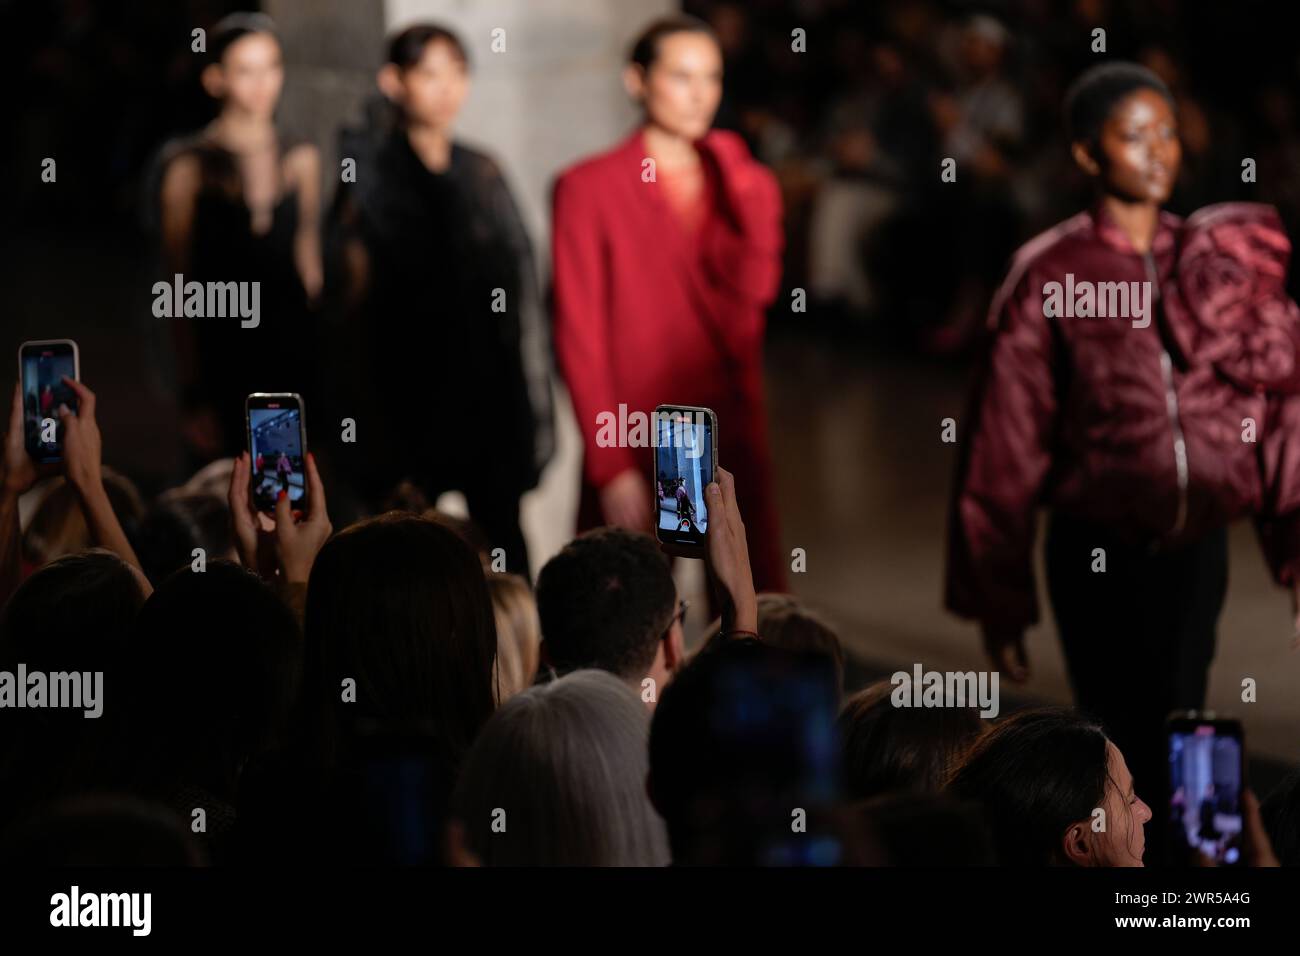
(680, 616)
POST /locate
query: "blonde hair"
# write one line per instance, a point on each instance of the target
(57, 526)
(519, 633)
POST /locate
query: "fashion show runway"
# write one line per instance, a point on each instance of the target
(863, 481)
(862, 475)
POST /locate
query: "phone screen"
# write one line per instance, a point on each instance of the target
(778, 719)
(1205, 784)
(684, 466)
(277, 445)
(43, 365)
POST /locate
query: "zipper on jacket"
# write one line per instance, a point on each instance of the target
(1171, 406)
(1180, 444)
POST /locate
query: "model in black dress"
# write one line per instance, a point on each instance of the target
(447, 353)
(239, 205)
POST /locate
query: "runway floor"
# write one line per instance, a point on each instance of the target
(864, 479)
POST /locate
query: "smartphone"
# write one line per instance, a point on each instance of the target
(1207, 773)
(277, 447)
(685, 461)
(41, 368)
(774, 720)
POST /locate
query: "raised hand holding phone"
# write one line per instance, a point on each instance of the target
(20, 471)
(82, 444)
(80, 458)
(727, 556)
(298, 543)
(281, 544)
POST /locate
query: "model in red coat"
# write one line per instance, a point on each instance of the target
(667, 250)
(1145, 430)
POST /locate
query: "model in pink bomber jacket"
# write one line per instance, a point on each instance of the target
(1160, 431)
(1143, 386)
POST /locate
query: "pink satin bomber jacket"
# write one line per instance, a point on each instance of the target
(1160, 425)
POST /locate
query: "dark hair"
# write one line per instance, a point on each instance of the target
(469, 531)
(1094, 94)
(398, 604)
(74, 612)
(605, 601)
(214, 676)
(927, 829)
(888, 748)
(230, 29)
(645, 49)
(177, 524)
(1034, 774)
(743, 733)
(785, 621)
(1281, 813)
(73, 615)
(58, 525)
(406, 47)
(100, 830)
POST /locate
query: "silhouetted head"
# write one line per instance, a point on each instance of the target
(927, 829)
(213, 680)
(743, 736)
(607, 601)
(557, 778)
(178, 523)
(786, 622)
(888, 748)
(74, 616)
(100, 830)
(74, 613)
(399, 633)
(1044, 778)
(58, 525)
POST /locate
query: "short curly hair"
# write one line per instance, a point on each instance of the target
(1097, 92)
(605, 601)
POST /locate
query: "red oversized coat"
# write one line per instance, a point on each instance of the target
(647, 313)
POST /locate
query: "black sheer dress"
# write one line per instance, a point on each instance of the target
(446, 356)
(277, 355)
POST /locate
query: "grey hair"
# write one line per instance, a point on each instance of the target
(567, 763)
